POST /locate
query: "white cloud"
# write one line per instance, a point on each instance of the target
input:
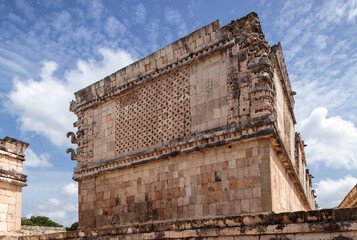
(59, 216)
(113, 27)
(70, 189)
(152, 33)
(174, 17)
(29, 215)
(94, 9)
(62, 21)
(33, 161)
(330, 192)
(60, 211)
(320, 41)
(42, 106)
(139, 13)
(21, 62)
(12, 65)
(193, 6)
(290, 12)
(54, 202)
(90, 71)
(331, 141)
(335, 11)
(71, 207)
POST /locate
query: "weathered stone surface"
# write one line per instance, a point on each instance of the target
(33, 231)
(253, 227)
(350, 200)
(204, 127)
(11, 182)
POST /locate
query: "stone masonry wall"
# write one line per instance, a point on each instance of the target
(32, 231)
(286, 198)
(350, 200)
(223, 181)
(11, 182)
(337, 224)
(10, 207)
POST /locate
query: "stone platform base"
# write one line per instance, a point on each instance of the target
(321, 224)
(30, 231)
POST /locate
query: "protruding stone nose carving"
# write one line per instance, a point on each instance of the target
(73, 153)
(73, 137)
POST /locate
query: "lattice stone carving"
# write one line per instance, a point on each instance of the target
(153, 113)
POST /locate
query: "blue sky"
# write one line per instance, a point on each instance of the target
(50, 49)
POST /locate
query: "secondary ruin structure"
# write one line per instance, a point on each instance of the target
(202, 128)
(11, 183)
(350, 201)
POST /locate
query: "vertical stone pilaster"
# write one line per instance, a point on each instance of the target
(11, 182)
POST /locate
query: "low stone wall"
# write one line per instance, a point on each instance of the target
(321, 224)
(40, 230)
(32, 230)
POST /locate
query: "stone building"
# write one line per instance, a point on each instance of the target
(202, 128)
(350, 201)
(11, 183)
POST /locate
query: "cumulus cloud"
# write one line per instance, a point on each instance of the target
(54, 201)
(331, 140)
(58, 210)
(59, 216)
(330, 192)
(70, 189)
(33, 160)
(42, 106)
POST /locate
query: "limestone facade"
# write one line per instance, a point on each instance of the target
(350, 201)
(11, 183)
(204, 127)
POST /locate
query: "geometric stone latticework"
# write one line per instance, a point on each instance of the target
(154, 113)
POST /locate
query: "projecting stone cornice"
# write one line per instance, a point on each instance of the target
(12, 147)
(16, 178)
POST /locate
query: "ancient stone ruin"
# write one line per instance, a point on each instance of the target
(350, 201)
(11, 183)
(204, 127)
(197, 141)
